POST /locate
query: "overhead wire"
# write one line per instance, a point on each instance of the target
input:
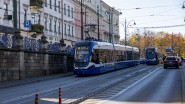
(162, 6)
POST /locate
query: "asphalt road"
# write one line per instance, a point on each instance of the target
(154, 86)
(72, 87)
(163, 86)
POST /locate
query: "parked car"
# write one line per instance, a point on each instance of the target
(142, 60)
(171, 61)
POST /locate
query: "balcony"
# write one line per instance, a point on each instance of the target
(36, 3)
(37, 28)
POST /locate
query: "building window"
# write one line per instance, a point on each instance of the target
(64, 9)
(39, 19)
(50, 24)
(72, 30)
(69, 30)
(68, 11)
(33, 18)
(5, 9)
(65, 27)
(46, 3)
(45, 23)
(59, 6)
(25, 15)
(58, 27)
(55, 5)
(50, 4)
(55, 26)
(72, 12)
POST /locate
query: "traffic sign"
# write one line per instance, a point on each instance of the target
(27, 23)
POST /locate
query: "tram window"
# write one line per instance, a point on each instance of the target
(94, 56)
(101, 56)
(110, 56)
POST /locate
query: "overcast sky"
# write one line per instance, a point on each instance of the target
(152, 13)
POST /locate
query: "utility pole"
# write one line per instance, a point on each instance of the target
(62, 21)
(172, 45)
(110, 13)
(82, 33)
(125, 32)
(98, 18)
(15, 14)
(112, 25)
(19, 15)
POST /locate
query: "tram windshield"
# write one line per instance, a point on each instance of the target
(150, 54)
(82, 54)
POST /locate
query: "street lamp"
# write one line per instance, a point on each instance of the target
(183, 5)
(126, 26)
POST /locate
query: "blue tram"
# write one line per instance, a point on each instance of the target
(152, 56)
(92, 57)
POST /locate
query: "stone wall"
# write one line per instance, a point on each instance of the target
(9, 64)
(19, 64)
(29, 58)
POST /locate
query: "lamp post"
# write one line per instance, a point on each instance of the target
(126, 26)
(183, 7)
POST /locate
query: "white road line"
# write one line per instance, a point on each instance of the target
(121, 92)
(48, 90)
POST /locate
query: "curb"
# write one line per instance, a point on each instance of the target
(183, 85)
(13, 83)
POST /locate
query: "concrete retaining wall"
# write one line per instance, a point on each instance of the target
(20, 64)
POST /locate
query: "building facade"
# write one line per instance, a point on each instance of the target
(51, 15)
(69, 22)
(111, 23)
(60, 19)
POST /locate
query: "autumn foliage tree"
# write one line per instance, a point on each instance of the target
(160, 40)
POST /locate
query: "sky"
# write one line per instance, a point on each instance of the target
(151, 13)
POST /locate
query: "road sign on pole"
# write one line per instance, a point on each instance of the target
(27, 24)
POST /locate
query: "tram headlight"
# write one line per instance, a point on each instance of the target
(86, 60)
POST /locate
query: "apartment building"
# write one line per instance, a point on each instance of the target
(111, 23)
(6, 17)
(60, 19)
(69, 22)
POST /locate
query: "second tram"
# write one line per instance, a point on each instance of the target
(152, 56)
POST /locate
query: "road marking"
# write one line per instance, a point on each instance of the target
(56, 88)
(121, 92)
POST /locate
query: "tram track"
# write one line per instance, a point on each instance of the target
(80, 84)
(116, 87)
(115, 90)
(100, 86)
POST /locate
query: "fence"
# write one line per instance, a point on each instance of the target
(29, 57)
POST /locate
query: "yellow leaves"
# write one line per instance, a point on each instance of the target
(159, 40)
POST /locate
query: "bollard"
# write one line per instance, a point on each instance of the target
(60, 95)
(37, 98)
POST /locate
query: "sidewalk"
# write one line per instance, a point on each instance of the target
(6, 84)
(183, 83)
